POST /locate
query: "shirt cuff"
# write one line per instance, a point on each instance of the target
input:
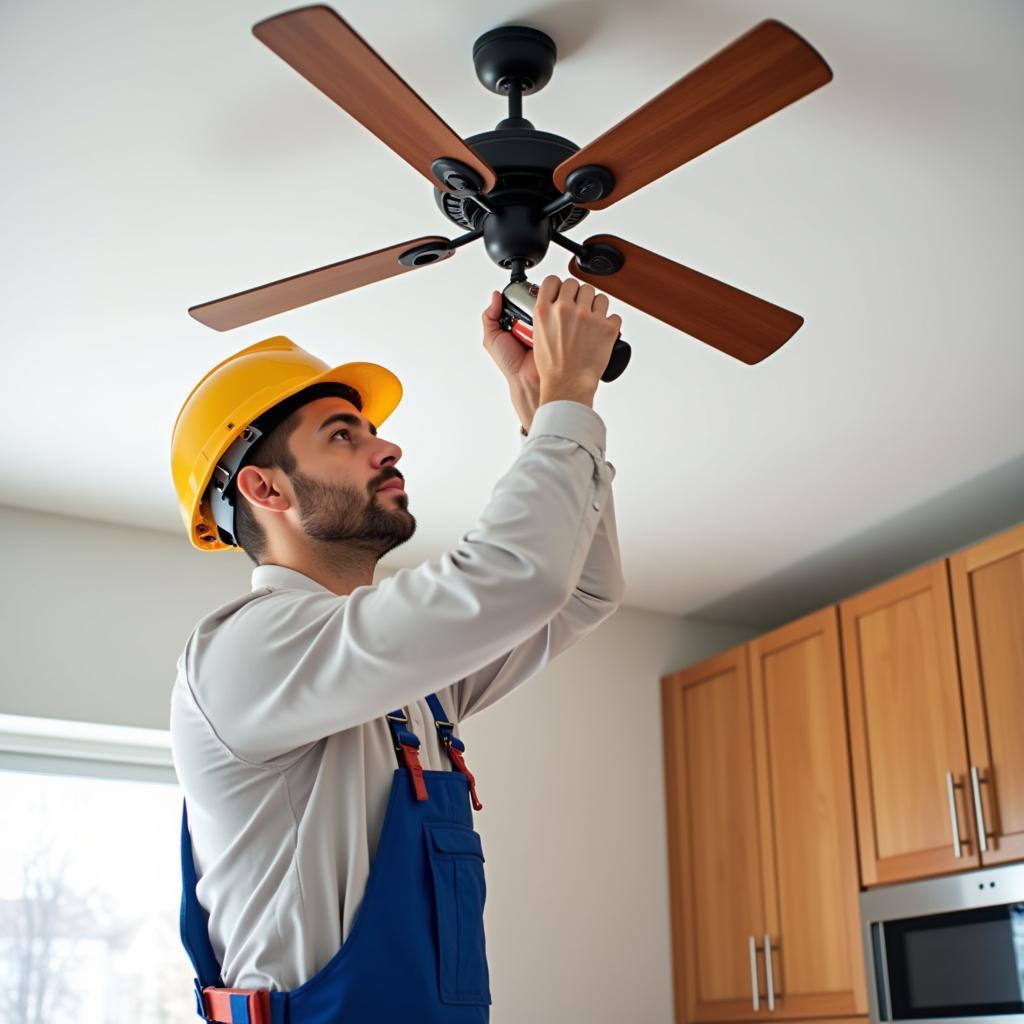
(572, 420)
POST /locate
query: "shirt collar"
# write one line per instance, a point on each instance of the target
(280, 577)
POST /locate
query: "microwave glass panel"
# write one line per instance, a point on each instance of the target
(969, 962)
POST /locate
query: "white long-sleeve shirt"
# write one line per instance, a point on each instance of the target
(277, 713)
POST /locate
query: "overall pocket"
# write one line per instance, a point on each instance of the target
(457, 865)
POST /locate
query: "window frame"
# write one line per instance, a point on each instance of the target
(57, 746)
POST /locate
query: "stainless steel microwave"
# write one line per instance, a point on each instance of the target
(948, 949)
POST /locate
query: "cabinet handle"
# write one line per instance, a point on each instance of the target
(953, 820)
(768, 971)
(979, 811)
(755, 987)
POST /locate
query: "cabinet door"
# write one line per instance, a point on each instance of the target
(907, 740)
(988, 595)
(713, 841)
(808, 844)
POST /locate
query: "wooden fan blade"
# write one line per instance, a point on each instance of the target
(760, 73)
(736, 323)
(327, 52)
(302, 289)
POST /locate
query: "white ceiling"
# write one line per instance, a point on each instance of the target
(156, 155)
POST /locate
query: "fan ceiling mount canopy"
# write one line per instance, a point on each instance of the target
(520, 189)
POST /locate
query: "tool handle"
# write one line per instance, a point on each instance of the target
(619, 359)
(520, 325)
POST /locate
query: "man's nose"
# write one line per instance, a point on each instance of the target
(388, 452)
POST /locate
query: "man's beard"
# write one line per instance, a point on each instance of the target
(336, 513)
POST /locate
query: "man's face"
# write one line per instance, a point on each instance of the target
(340, 483)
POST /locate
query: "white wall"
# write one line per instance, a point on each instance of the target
(569, 767)
(569, 770)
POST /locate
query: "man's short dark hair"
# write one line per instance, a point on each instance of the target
(271, 451)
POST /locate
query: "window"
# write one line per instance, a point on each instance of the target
(90, 881)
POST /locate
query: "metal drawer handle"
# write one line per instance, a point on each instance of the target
(953, 820)
(755, 987)
(769, 971)
(979, 811)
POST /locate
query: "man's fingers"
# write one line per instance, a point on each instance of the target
(493, 308)
(549, 289)
(490, 317)
(570, 287)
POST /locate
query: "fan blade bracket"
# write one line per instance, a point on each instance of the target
(436, 250)
(456, 177)
(589, 183)
(601, 258)
(598, 258)
(422, 255)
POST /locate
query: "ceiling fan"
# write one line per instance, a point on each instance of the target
(521, 189)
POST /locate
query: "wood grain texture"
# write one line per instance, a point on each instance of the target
(755, 76)
(906, 728)
(715, 875)
(733, 321)
(988, 599)
(302, 289)
(327, 52)
(808, 843)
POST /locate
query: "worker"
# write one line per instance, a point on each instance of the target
(331, 870)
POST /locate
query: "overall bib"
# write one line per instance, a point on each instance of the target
(416, 946)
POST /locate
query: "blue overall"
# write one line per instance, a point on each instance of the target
(416, 946)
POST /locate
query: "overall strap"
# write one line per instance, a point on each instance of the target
(214, 1002)
(194, 920)
(407, 748)
(453, 745)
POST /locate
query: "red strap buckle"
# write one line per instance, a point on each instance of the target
(412, 761)
(460, 762)
(217, 1004)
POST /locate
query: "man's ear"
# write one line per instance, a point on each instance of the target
(258, 486)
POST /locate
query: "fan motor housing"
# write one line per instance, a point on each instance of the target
(523, 159)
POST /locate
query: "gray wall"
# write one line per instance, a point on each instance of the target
(568, 767)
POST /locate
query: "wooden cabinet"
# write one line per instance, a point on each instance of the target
(907, 741)
(761, 832)
(808, 848)
(988, 598)
(905, 704)
(714, 853)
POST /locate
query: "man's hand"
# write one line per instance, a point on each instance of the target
(573, 337)
(515, 360)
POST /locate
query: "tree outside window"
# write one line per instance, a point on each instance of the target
(90, 889)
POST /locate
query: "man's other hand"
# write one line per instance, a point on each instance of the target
(514, 359)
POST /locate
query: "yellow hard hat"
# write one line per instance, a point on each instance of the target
(215, 427)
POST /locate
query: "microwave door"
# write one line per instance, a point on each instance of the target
(948, 949)
(961, 964)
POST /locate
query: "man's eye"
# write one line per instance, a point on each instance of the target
(342, 431)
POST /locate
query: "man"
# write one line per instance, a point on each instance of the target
(331, 870)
